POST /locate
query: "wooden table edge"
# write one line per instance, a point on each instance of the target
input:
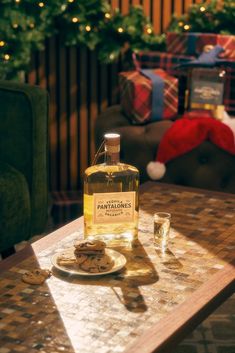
(168, 332)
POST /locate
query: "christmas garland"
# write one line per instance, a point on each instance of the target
(25, 24)
(214, 17)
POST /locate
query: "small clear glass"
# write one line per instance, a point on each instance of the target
(162, 222)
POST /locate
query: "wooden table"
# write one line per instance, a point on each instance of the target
(147, 307)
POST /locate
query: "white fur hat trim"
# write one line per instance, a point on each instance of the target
(156, 170)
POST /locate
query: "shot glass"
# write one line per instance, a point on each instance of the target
(162, 221)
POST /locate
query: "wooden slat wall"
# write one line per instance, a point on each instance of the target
(79, 88)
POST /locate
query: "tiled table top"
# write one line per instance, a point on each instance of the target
(110, 313)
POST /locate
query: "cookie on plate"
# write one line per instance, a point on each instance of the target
(90, 247)
(66, 259)
(97, 263)
(79, 257)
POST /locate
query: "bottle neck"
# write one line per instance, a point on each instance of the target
(112, 158)
(112, 148)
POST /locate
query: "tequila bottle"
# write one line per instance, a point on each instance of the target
(206, 90)
(111, 202)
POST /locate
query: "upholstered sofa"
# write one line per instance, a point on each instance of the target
(206, 166)
(23, 163)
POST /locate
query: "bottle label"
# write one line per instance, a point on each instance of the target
(207, 92)
(114, 207)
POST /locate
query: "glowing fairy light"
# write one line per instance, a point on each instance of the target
(186, 27)
(6, 57)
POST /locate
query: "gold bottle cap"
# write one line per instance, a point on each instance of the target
(112, 142)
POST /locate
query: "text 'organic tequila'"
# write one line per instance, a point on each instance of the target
(111, 200)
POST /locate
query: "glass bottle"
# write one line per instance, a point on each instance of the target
(111, 198)
(206, 90)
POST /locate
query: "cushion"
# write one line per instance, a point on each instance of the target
(23, 143)
(14, 206)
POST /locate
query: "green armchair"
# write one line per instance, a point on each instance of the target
(23, 163)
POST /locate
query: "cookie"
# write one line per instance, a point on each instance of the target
(97, 263)
(90, 247)
(66, 259)
(79, 257)
(37, 276)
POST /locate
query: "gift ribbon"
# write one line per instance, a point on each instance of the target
(157, 94)
(191, 43)
(207, 59)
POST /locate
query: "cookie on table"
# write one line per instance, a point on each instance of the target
(90, 247)
(97, 263)
(37, 276)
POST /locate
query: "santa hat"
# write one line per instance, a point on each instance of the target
(187, 133)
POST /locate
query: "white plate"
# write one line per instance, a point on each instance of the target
(119, 262)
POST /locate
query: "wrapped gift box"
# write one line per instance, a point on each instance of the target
(169, 62)
(138, 97)
(194, 43)
(157, 59)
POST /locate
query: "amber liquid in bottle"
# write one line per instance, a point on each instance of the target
(111, 200)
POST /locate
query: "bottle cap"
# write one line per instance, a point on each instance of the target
(112, 142)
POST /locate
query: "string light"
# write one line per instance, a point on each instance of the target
(149, 30)
(74, 19)
(6, 57)
(186, 27)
